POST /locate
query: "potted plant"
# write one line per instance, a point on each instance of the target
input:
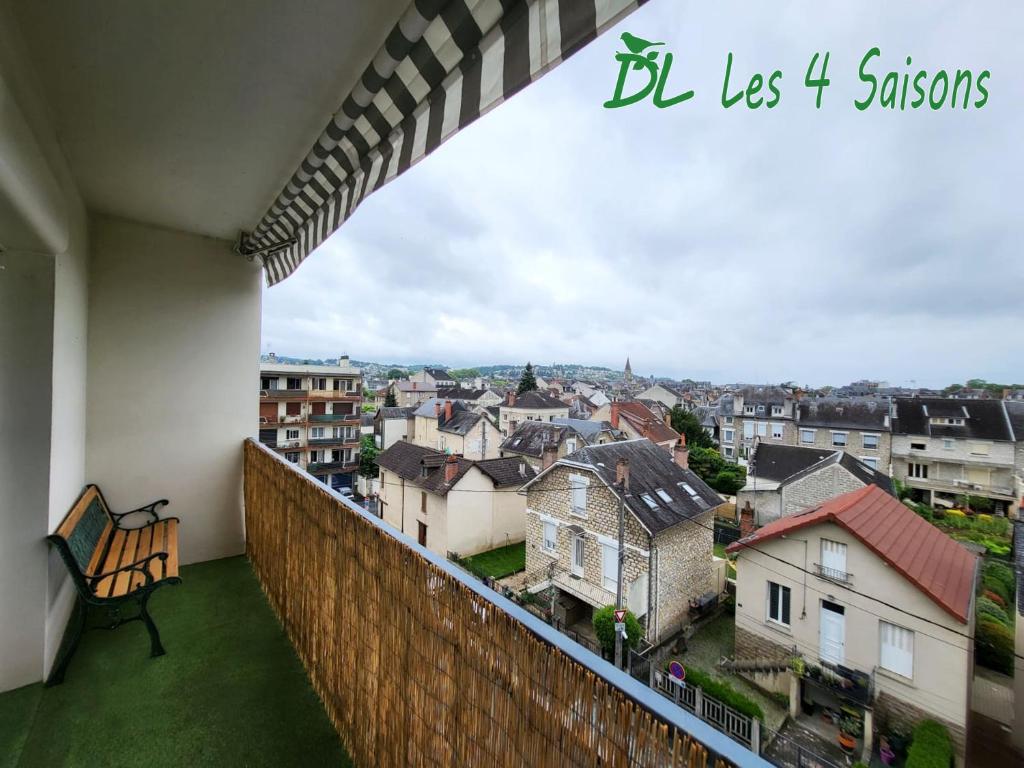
(886, 752)
(849, 729)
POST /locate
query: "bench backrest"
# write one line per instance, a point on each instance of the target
(82, 527)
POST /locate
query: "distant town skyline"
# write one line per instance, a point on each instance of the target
(817, 245)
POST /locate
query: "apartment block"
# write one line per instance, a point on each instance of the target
(311, 415)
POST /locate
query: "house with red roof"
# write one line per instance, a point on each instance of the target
(636, 420)
(874, 602)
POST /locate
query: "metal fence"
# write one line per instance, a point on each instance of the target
(738, 727)
(418, 664)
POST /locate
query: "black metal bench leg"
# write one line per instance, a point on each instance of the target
(69, 643)
(156, 647)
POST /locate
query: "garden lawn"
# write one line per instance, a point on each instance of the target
(498, 563)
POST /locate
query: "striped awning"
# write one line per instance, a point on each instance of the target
(444, 64)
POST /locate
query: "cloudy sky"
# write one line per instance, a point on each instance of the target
(820, 246)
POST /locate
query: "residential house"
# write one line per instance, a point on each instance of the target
(434, 377)
(766, 414)
(785, 479)
(1015, 413)
(411, 393)
(451, 504)
(529, 406)
(635, 419)
(561, 437)
(667, 394)
(879, 604)
(480, 396)
(572, 524)
(860, 427)
(656, 407)
(1018, 660)
(391, 424)
(944, 449)
(454, 427)
(707, 415)
(312, 415)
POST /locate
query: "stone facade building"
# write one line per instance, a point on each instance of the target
(572, 521)
(860, 427)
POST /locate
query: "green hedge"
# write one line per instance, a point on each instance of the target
(725, 693)
(991, 609)
(994, 645)
(931, 746)
(1000, 578)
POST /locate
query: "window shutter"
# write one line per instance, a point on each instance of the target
(897, 649)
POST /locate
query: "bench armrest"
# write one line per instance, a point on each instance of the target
(149, 509)
(142, 566)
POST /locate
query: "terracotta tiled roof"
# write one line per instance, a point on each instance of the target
(646, 422)
(924, 555)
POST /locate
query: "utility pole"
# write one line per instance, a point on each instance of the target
(622, 476)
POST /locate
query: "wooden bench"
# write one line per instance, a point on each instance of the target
(113, 565)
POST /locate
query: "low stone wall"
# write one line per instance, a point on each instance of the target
(750, 646)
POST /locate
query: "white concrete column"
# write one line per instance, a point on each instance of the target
(794, 694)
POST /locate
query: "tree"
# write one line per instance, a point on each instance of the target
(527, 382)
(685, 423)
(459, 374)
(396, 373)
(709, 466)
(368, 456)
(389, 399)
(604, 628)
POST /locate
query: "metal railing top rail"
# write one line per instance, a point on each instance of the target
(833, 574)
(716, 742)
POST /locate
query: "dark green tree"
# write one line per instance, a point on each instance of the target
(396, 373)
(527, 382)
(604, 628)
(685, 423)
(368, 456)
(389, 399)
(709, 466)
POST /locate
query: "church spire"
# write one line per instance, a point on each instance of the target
(628, 372)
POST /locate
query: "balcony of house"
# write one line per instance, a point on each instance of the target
(284, 394)
(346, 441)
(326, 467)
(339, 395)
(832, 574)
(334, 418)
(962, 487)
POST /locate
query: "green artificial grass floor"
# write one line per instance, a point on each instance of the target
(500, 562)
(229, 692)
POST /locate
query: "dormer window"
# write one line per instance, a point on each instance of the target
(760, 410)
(649, 500)
(776, 410)
(748, 410)
(424, 470)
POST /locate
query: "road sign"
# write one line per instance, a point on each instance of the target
(620, 615)
(677, 670)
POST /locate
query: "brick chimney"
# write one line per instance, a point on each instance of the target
(622, 472)
(511, 399)
(615, 415)
(549, 454)
(746, 520)
(681, 453)
(447, 411)
(451, 468)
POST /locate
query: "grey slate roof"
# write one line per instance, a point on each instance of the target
(1015, 412)
(530, 437)
(588, 430)
(984, 419)
(393, 412)
(844, 414)
(507, 471)
(651, 468)
(538, 400)
(787, 463)
(460, 423)
(408, 461)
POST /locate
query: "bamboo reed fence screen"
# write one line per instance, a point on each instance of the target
(413, 667)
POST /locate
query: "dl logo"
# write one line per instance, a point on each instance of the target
(657, 74)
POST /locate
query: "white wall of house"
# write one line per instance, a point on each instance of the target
(43, 290)
(942, 657)
(174, 324)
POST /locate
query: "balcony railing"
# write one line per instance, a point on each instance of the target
(332, 466)
(329, 417)
(959, 486)
(283, 394)
(832, 574)
(417, 662)
(344, 440)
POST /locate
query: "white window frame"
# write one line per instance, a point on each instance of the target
(316, 433)
(762, 429)
(893, 653)
(783, 589)
(948, 444)
(728, 435)
(917, 470)
(578, 495)
(805, 431)
(871, 461)
(316, 456)
(609, 552)
(570, 445)
(846, 439)
(729, 452)
(748, 430)
(778, 430)
(727, 420)
(776, 410)
(748, 410)
(833, 555)
(291, 434)
(550, 544)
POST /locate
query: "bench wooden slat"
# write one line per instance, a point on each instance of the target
(104, 586)
(124, 579)
(75, 515)
(156, 567)
(172, 548)
(95, 564)
(143, 550)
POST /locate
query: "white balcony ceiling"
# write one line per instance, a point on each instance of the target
(193, 114)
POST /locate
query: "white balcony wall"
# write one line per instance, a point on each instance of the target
(174, 330)
(43, 322)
